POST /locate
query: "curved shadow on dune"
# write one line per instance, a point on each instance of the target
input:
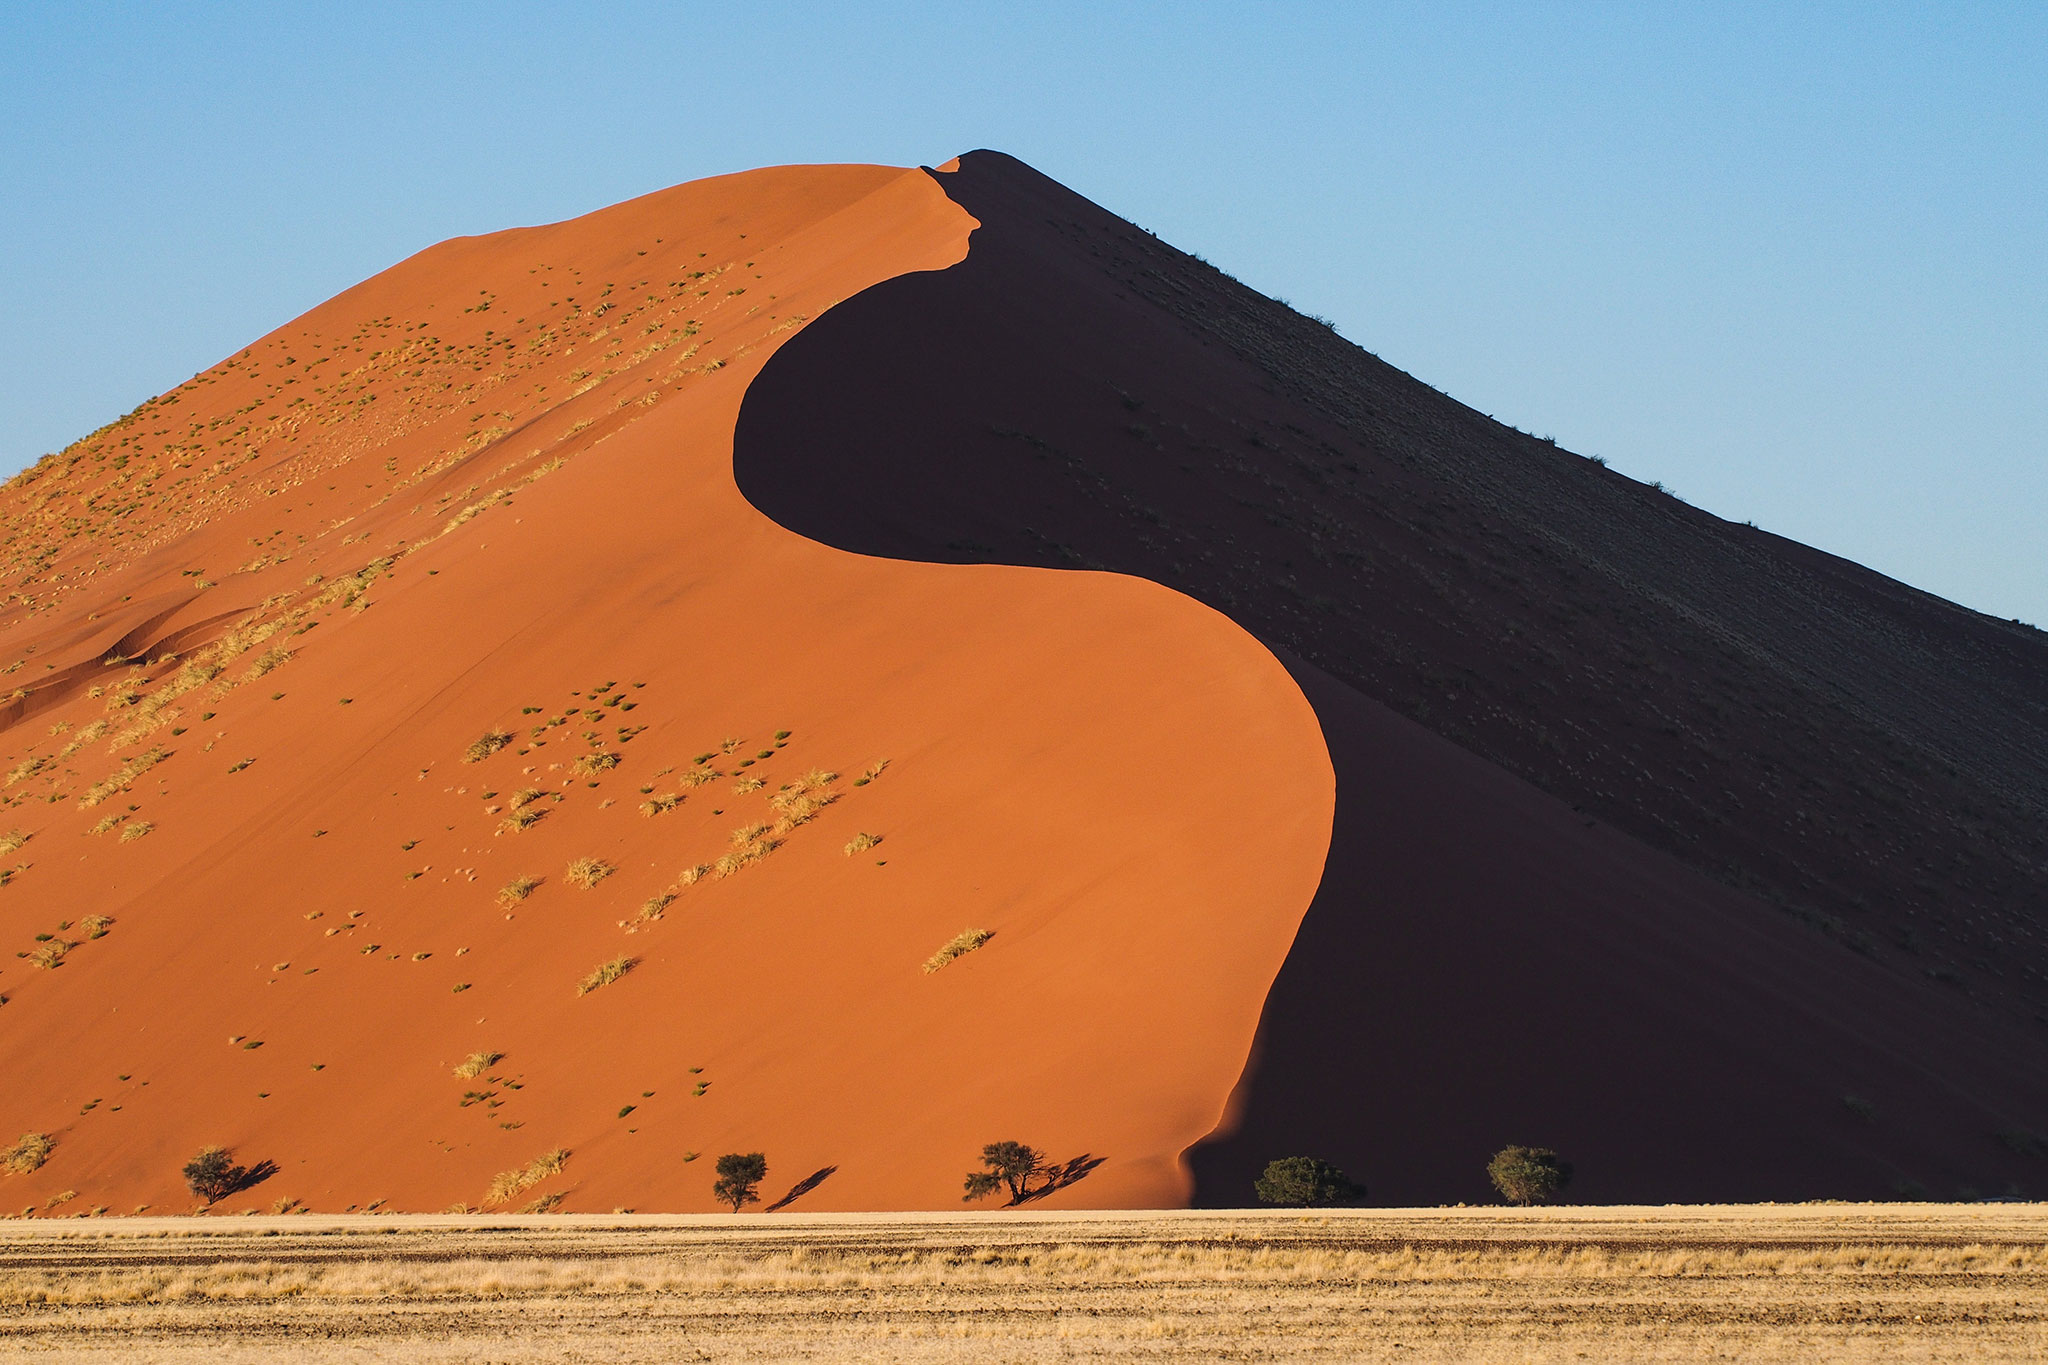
(1481, 964)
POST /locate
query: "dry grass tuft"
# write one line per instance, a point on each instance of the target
(477, 1063)
(140, 829)
(698, 777)
(962, 943)
(691, 875)
(524, 817)
(96, 926)
(517, 890)
(588, 872)
(13, 839)
(652, 907)
(522, 799)
(861, 843)
(492, 741)
(508, 1185)
(590, 765)
(121, 777)
(747, 785)
(26, 1155)
(661, 805)
(605, 973)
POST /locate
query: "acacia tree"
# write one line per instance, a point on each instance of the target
(213, 1174)
(1011, 1165)
(738, 1174)
(1304, 1181)
(1529, 1175)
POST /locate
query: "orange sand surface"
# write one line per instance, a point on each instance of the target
(254, 626)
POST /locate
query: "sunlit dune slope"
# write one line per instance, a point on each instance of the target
(1716, 862)
(338, 667)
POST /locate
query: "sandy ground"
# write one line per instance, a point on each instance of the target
(490, 493)
(1806, 1282)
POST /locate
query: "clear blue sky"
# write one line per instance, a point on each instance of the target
(1791, 260)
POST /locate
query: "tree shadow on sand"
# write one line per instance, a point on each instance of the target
(1054, 1178)
(802, 1188)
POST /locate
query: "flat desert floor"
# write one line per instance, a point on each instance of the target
(1907, 1282)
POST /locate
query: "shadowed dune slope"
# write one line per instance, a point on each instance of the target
(422, 760)
(1712, 860)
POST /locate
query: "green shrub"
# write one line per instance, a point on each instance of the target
(1304, 1182)
(738, 1175)
(213, 1175)
(1529, 1175)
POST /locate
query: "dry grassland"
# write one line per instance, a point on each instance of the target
(1791, 1283)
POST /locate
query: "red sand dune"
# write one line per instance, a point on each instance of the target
(1338, 771)
(512, 453)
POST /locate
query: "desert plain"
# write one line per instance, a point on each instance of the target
(1813, 1282)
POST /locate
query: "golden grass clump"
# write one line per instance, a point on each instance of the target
(522, 799)
(96, 926)
(873, 771)
(861, 843)
(508, 1185)
(588, 872)
(696, 777)
(692, 874)
(138, 830)
(49, 956)
(517, 890)
(489, 743)
(962, 943)
(266, 661)
(26, 1155)
(119, 779)
(605, 973)
(661, 805)
(477, 1063)
(13, 839)
(746, 785)
(523, 817)
(652, 907)
(590, 765)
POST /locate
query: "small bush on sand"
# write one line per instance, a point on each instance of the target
(140, 829)
(861, 843)
(966, 941)
(590, 765)
(488, 744)
(1528, 1175)
(739, 1173)
(477, 1063)
(661, 805)
(26, 1155)
(96, 926)
(525, 817)
(12, 840)
(213, 1174)
(605, 973)
(585, 873)
(1304, 1182)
